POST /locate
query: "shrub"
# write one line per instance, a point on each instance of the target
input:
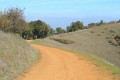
(112, 31)
(117, 38)
(106, 29)
(40, 29)
(102, 32)
(64, 41)
(12, 20)
(75, 26)
(92, 31)
(113, 42)
(59, 30)
(98, 35)
(108, 37)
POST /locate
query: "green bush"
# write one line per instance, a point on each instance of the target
(59, 30)
(75, 26)
(40, 29)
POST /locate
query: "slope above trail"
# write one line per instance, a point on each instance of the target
(57, 64)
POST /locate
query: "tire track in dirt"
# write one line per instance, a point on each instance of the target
(57, 64)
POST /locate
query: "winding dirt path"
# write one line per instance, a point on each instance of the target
(56, 64)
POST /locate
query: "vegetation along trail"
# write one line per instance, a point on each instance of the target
(57, 64)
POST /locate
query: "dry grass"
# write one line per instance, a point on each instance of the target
(94, 44)
(16, 55)
(94, 41)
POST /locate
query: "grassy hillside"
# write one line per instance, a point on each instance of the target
(94, 41)
(15, 55)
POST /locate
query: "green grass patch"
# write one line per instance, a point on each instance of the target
(35, 41)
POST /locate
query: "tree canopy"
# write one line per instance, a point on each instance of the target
(60, 30)
(75, 26)
(40, 29)
(13, 20)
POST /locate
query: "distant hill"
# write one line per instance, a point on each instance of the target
(98, 40)
(16, 55)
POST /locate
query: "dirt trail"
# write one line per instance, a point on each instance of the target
(29, 40)
(56, 64)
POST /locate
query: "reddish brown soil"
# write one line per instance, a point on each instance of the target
(56, 64)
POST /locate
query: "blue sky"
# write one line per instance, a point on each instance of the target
(63, 12)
